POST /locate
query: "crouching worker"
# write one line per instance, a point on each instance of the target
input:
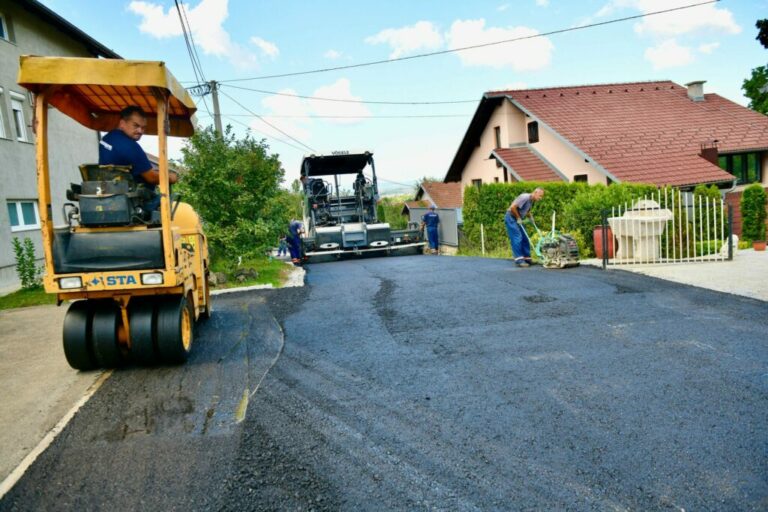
(120, 147)
(295, 228)
(513, 220)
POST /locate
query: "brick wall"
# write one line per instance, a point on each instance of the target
(734, 199)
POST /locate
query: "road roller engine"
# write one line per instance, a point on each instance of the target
(136, 275)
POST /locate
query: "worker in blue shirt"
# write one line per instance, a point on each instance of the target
(431, 220)
(120, 147)
(295, 228)
(513, 220)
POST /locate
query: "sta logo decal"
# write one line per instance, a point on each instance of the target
(120, 280)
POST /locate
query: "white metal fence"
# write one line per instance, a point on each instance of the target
(668, 226)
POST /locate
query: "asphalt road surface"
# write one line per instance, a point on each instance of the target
(420, 383)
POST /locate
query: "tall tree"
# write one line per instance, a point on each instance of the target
(234, 186)
(756, 86)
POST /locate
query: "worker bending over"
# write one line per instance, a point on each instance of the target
(513, 220)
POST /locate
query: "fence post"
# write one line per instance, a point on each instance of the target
(730, 232)
(604, 241)
(482, 239)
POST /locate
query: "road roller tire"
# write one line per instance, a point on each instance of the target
(106, 319)
(78, 347)
(142, 320)
(175, 321)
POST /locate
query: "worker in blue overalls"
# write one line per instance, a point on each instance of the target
(431, 220)
(295, 229)
(519, 210)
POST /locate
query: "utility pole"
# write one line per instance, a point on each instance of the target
(216, 113)
(211, 88)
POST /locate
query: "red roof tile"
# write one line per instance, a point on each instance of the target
(445, 195)
(649, 131)
(417, 204)
(526, 164)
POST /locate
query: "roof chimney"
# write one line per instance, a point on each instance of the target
(696, 90)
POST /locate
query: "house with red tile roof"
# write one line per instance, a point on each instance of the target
(644, 132)
(442, 195)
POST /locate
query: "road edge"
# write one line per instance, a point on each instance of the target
(46, 441)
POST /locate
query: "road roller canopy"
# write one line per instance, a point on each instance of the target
(339, 162)
(94, 91)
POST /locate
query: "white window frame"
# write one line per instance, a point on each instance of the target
(4, 26)
(19, 124)
(20, 215)
(2, 119)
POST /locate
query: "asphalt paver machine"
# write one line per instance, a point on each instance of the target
(342, 218)
(138, 278)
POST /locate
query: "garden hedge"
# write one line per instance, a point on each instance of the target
(578, 207)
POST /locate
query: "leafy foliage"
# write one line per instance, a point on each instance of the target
(233, 184)
(29, 273)
(578, 208)
(753, 212)
(754, 87)
(390, 209)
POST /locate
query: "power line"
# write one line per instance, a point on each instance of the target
(483, 45)
(267, 122)
(351, 101)
(262, 133)
(276, 116)
(197, 68)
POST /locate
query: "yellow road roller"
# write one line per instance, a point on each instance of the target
(138, 278)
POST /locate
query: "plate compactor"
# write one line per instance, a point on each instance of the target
(555, 249)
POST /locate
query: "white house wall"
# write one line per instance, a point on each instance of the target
(480, 165)
(514, 131)
(561, 155)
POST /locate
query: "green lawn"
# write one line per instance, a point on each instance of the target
(271, 271)
(24, 298)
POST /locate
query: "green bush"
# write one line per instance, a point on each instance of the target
(390, 210)
(753, 213)
(29, 273)
(578, 208)
(233, 184)
(708, 247)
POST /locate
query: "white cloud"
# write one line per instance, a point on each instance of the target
(669, 54)
(298, 122)
(542, 3)
(296, 126)
(695, 19)
(526, 55)
(341, 89)
(269, 49)
(504, 7)
(332, 54)
(708, 47)
(206, 21)
(408, 40)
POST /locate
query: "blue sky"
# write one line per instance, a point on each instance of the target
(241, 39)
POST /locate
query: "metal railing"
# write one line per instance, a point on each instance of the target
(669, 226)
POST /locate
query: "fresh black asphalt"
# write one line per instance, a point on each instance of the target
(435, 383)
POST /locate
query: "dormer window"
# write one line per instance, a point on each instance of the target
(533, 132)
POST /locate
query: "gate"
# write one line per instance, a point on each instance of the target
(448, 229)
(668, 226)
